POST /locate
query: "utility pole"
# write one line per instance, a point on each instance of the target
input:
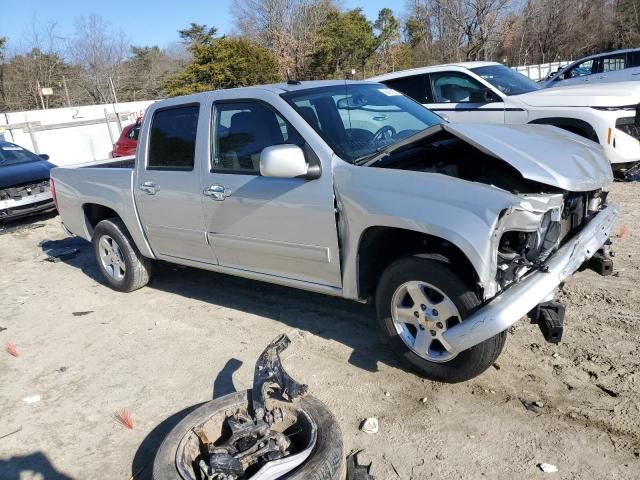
(40, 94)
(113, 90)
(66, 91)
(115, 98)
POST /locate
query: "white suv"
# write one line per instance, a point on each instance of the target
(618, 66)
(489, 92)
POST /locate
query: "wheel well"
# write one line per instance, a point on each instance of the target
(94, 214)
(573, 125)
(380, 246)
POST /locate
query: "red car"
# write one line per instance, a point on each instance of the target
(128, 141)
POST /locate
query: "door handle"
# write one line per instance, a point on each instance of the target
(149, 188)
(217, 192)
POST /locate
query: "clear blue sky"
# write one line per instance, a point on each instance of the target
(145, 22)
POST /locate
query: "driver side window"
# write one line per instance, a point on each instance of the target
(454, 87)
(581, 70)
(242, 131)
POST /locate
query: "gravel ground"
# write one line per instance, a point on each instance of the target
(89, 351)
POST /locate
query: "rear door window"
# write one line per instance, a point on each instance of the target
(172, 142)
(612, 63)
(134, 133)
(416, 87)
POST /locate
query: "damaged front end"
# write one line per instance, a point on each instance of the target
(528, 234)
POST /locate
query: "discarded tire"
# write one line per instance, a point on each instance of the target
(176, 460)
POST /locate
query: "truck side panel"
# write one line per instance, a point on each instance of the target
(104, 186)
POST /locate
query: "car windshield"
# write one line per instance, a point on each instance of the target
(11, 154)
(358, 120)
(505, 79)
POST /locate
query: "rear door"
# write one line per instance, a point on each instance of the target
(284, 227)
(455, 96)
(167, 188)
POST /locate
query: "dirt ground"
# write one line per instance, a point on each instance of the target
(191, 334)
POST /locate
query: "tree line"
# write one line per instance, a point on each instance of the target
(274, 40)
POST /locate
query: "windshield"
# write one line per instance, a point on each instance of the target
(357, 120)
(11, 154)
(505, 79)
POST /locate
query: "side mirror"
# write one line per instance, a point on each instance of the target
(43, 156)
(483, 95)
(283, 161)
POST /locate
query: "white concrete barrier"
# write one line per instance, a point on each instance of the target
(71, 135)
(540, 71)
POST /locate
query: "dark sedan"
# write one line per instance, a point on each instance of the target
(24, 182)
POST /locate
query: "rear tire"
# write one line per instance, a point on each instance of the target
(439, 280)
(122, 265)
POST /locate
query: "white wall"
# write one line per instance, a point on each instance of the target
(540, 72)
(74, 144)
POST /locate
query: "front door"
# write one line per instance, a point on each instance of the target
(278, 226)
(167, 189)
(456, 97)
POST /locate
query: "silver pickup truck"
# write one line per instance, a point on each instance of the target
(354, 190)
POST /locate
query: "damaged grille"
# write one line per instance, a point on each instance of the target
(19, 192)
(519, 251)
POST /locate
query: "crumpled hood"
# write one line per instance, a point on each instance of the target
(614, 94)
(541, 153)
(11, 175)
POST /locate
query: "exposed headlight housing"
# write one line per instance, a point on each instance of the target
(629, 125)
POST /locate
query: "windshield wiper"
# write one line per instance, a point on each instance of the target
(365, 158)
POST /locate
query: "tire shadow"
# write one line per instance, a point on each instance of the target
(350, 323)
(142, 466)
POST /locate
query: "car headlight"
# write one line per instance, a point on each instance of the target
(521, 249)
(629, 125)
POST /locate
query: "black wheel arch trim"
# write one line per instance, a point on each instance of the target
(571, 124)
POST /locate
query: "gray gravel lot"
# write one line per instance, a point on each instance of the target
(190, 333)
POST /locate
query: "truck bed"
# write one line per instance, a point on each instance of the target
(105, 183)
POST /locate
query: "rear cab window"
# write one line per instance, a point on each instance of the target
(172, 142)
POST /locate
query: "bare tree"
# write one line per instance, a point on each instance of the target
(36, 62)
(100, 53)
(288, 28)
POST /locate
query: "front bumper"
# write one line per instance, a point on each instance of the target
(507, 308)
(11, 208)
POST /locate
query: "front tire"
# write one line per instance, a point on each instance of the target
(122, 265)
(417, 299)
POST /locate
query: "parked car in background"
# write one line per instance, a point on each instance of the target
(453, 231)
(489, 92)
(618, 66)
(24, 182)
(128, 141)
